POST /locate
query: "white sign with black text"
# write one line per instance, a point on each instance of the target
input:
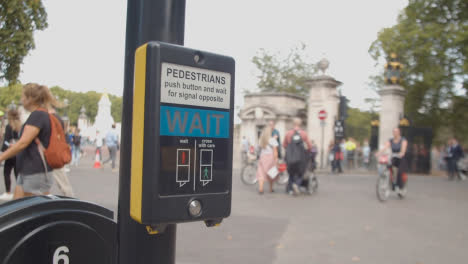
(186, 85)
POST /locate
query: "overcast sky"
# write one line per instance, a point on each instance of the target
(83, 47)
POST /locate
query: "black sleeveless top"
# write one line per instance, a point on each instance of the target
(396, 147)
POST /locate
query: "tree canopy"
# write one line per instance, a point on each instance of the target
(431, 40)
(18, 21)
(358, 124)
(286, 74)
(76, 100)
(290, 73)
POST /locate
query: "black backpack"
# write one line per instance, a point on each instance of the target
(295, 151)
(76, 140)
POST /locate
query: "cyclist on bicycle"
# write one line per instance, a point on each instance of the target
(398, 145)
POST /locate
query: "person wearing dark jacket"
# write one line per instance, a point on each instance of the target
(296, 171)
(337, 158)
(455, 154)
(11, 136)
(275, 134)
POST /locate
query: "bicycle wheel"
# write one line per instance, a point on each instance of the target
(383, 186)
(313, 183)
(463, 175)
(249, 174)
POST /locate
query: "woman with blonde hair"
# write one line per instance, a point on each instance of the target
(11, 136)
(268, 158)
(33, 178)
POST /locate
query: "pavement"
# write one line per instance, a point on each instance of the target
(342, 223)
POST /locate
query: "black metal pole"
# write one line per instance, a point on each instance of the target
(147, 20)
(322, 124)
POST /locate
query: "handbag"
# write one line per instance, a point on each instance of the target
(273, 172)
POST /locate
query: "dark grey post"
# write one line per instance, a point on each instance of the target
(147, 20)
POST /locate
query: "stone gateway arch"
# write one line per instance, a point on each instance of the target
(260, 108)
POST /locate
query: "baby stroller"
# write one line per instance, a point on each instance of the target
(309, 183)
(463, 168)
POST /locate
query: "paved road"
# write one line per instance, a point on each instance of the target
(342, 223)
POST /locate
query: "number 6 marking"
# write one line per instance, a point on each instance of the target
(58, 256)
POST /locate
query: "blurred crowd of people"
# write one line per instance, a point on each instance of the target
(450, 158)
(77, 142)
(346, 154)
(299, 156)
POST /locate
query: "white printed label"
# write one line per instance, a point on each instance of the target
(186, 85)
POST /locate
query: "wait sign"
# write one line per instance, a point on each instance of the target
(181, 135)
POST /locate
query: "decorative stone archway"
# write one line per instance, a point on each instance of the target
(258, 116)
(260, 108)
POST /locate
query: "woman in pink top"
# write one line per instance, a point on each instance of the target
(268, 158)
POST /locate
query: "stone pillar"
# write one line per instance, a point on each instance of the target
(323, 95)
(393, 100)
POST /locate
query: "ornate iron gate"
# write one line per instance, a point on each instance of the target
(419, 148)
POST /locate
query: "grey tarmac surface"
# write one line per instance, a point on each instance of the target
(342, 223)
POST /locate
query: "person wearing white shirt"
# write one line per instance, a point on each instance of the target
(99, 140)
(112, 143)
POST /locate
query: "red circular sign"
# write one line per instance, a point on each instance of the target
(322, 115)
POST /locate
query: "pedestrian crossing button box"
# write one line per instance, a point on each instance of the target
(183, 114)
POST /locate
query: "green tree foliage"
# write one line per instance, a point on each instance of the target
(431, 40)
(75, 101)
(18, 21)
(287, 74)
(116, 107)
(358, 124)
(456, 125)
(10, 94)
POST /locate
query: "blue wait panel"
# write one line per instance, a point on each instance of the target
(192, 122)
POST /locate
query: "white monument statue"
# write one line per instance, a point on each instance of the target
(103, 121)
